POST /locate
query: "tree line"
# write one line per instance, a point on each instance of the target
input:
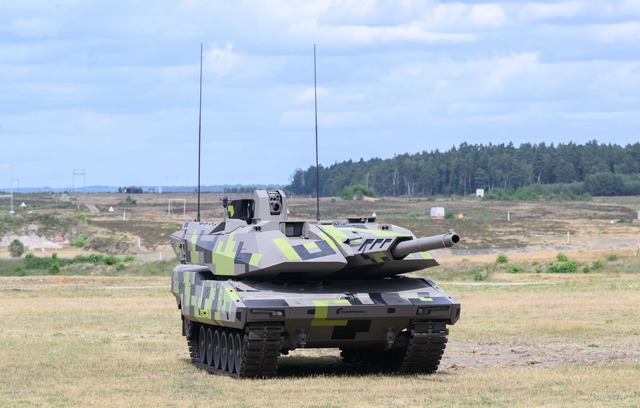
(593, 168)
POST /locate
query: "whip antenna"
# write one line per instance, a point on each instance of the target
(199, 134)
(315, 95)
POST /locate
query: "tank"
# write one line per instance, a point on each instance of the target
(257, 285)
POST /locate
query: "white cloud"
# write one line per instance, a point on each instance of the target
(221, 60)
(596, 116)
(352, 11)
(613, 33)
(348, 36)
(474, 79)
(465, 17)
(630, 6)
(488, 15)
(32, 27)
(545, 11)
(326, 119)
(581, 11)
(521, 89)
(308, 95)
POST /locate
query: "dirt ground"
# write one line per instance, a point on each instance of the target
(468, 355)
(477, 356)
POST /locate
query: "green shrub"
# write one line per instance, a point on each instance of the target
(562, 257)
(612, 257)
(129, 258)
(91, 258)
(597, 264)
(100, 259)
(357, 191)
(16, 248)
(94, 258)
(564, 267)
(83, 217)
(78, 242)
(33, 262)
(502, 258)
(478, 276)
(54, 268)
(119, 266)
(515, 269)
(110, 260)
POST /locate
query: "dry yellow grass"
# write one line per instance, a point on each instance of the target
(116, 342)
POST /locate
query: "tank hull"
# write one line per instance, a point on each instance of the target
(385, 317)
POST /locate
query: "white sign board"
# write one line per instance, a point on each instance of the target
(437, 213)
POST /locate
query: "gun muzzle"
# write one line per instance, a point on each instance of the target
(405, 248)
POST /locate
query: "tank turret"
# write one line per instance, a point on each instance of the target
(259, 281)
(258, 241)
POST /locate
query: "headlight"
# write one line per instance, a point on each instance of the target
(270, 312)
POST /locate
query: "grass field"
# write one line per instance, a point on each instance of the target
(99, 335)
(115, 341)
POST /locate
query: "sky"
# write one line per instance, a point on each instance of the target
(110, 89)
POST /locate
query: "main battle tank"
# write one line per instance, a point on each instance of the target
(256, 285)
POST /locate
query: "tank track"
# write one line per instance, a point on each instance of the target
(425, 345)
(249, 353)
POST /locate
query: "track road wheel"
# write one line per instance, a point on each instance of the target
(238, 356)
(231, 353)
(224, 351)
(208, 345)
(216, 349)
(201, 345)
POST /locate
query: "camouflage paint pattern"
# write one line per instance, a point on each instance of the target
(276, 248)
(335, 284)
(331, 313)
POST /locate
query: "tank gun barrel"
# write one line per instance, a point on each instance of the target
(405, 248)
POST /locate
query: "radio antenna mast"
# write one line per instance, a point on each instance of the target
(315, 95)
(199, 134)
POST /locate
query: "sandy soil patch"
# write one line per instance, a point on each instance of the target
(468, 355)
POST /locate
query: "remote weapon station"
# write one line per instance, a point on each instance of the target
(256, 285)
